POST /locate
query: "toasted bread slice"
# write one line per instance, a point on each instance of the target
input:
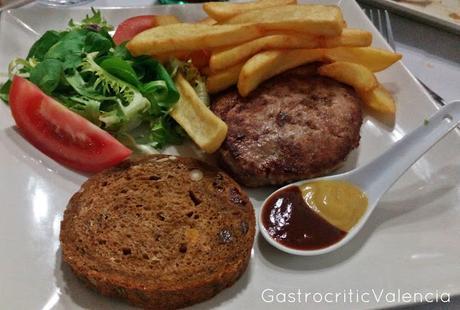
(160, 232)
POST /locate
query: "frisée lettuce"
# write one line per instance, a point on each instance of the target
(83, 69)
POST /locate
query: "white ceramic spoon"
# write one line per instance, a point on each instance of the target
(375, 178)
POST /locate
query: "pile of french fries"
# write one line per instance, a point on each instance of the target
(245, 44)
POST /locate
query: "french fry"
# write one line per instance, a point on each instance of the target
(207, 21)
(306, 18)
(373, 58)
(267, 64)
(165, 20)
(204, 127)
(189, 37)
(222, 11)
(234, 55)
(221, 80)
(379, 100)
(350, 37)
(355, 75)
(243, 52)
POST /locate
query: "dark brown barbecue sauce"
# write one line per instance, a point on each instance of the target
(291, 222)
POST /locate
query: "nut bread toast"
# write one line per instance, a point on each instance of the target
(161, 232)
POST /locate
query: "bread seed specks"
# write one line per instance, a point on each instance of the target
(225, 236)
(183, 248)
(235, 196)
(244, 227)
(196, 175)
(196, 201)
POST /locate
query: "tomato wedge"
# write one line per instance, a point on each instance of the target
(134, 25)
(60, 133)
(200, 58)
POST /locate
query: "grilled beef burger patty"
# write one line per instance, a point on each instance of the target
(294, 126)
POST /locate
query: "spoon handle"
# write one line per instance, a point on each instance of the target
(405, 152)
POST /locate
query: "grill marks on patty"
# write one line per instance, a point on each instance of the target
(294, 126)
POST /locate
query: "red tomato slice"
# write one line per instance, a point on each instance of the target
(60, 133)
(200, 58)
(132, 26)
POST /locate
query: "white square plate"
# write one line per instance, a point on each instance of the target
(410, 242)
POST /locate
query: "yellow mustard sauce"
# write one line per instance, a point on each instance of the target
(340, 203)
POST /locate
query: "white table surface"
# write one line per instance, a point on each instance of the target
(432, 55)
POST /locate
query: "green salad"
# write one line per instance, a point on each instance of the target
(130, 97)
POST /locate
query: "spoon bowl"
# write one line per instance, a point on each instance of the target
(375, 178)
